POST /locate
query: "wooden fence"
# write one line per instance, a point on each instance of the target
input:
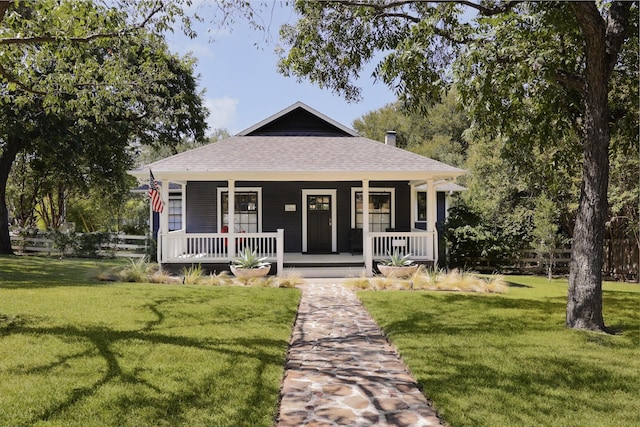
(621, 261)
(120, 245)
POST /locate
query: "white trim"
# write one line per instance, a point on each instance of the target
(415, 204)
(177, 195)
(236, 191)
(373, 190)
(334, 215)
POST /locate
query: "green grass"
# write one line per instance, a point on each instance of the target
(78, 352)
(508, 360)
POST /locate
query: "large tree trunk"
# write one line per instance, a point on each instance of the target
(7, 158)
(602, 44)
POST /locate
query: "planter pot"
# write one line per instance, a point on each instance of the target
(249, 273)
(397, 271)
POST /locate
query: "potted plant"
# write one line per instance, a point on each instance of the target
(397, 266)
(248, 265)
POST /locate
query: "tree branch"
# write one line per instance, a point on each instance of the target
(489, 11)
(4, 6)
(569, 80)
(617, 25)
(85, 39)
(382, 11)
(4, 73)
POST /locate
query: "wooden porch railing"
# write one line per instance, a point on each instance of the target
(419, 243)
(178, 246)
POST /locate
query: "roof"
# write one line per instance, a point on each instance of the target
(301, 155)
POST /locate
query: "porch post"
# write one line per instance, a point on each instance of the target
(231, 199)
(432, 216)
(366, 250)
(164, 222)
(280, 252)
(413, 205)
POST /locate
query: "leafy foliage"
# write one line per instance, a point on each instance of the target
(397, 260)
(532, 74)
(79, 83)
(250, 259)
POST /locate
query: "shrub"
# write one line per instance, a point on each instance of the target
(137, 271)
(192, 275)
(290, 281)
(221, 279)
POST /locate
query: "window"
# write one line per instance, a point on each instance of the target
(175, 211)
(319, 203)
(380, 210)
(422, 205)
(246, 211)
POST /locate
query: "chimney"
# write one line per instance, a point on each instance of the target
(390, 138)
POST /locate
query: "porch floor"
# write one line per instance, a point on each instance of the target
(342, 265)
(339, 259)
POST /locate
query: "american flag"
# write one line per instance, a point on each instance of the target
(154, 194)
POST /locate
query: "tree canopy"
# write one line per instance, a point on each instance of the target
(80, 83)
(533, 74)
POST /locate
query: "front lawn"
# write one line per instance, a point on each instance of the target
(508, 360)
(78, 352)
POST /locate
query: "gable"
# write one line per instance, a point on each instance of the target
(298, 122)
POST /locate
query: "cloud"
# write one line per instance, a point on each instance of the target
(222, 112)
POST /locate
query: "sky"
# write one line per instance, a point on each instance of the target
(242, 85)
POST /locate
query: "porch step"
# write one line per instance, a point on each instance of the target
(325, 272)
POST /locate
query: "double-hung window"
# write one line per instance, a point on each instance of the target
(175, 211)
(247, 210)
(381, 209)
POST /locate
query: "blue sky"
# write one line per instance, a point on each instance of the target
(238, 72)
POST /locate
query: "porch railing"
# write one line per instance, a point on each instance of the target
(419, 243)
(181, 247)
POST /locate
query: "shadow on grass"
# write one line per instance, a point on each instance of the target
(250, 362)
(102, 341)
(31, 272)
(512, 361)
(472, 314)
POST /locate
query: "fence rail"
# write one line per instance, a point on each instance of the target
(120, 245)
(621, 261)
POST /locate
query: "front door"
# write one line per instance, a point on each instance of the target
(319, 232)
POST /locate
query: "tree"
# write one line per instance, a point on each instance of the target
(437, 133)
(80, 82)
(528, 72)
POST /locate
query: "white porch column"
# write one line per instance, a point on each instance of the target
(163, 230)
(280, 252)
(414, 204)
(231, 202)
(366, 250)
(432, 216)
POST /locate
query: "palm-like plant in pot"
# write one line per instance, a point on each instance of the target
(397, 265)
(248, 265)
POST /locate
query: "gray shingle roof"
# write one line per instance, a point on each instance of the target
(296, 154)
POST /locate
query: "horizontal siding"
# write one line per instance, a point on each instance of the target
(202, 209)
(201, 206)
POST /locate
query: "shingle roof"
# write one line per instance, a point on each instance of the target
(298, 143)
(298, 153)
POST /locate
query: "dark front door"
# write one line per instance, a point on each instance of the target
(319, 224)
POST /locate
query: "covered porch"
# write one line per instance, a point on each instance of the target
(179, 247)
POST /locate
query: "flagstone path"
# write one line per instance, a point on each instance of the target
(341, 370)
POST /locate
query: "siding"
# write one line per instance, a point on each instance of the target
(201, 207)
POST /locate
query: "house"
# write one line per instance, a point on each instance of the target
(293, 186)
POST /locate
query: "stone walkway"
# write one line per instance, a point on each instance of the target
(341, 370)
